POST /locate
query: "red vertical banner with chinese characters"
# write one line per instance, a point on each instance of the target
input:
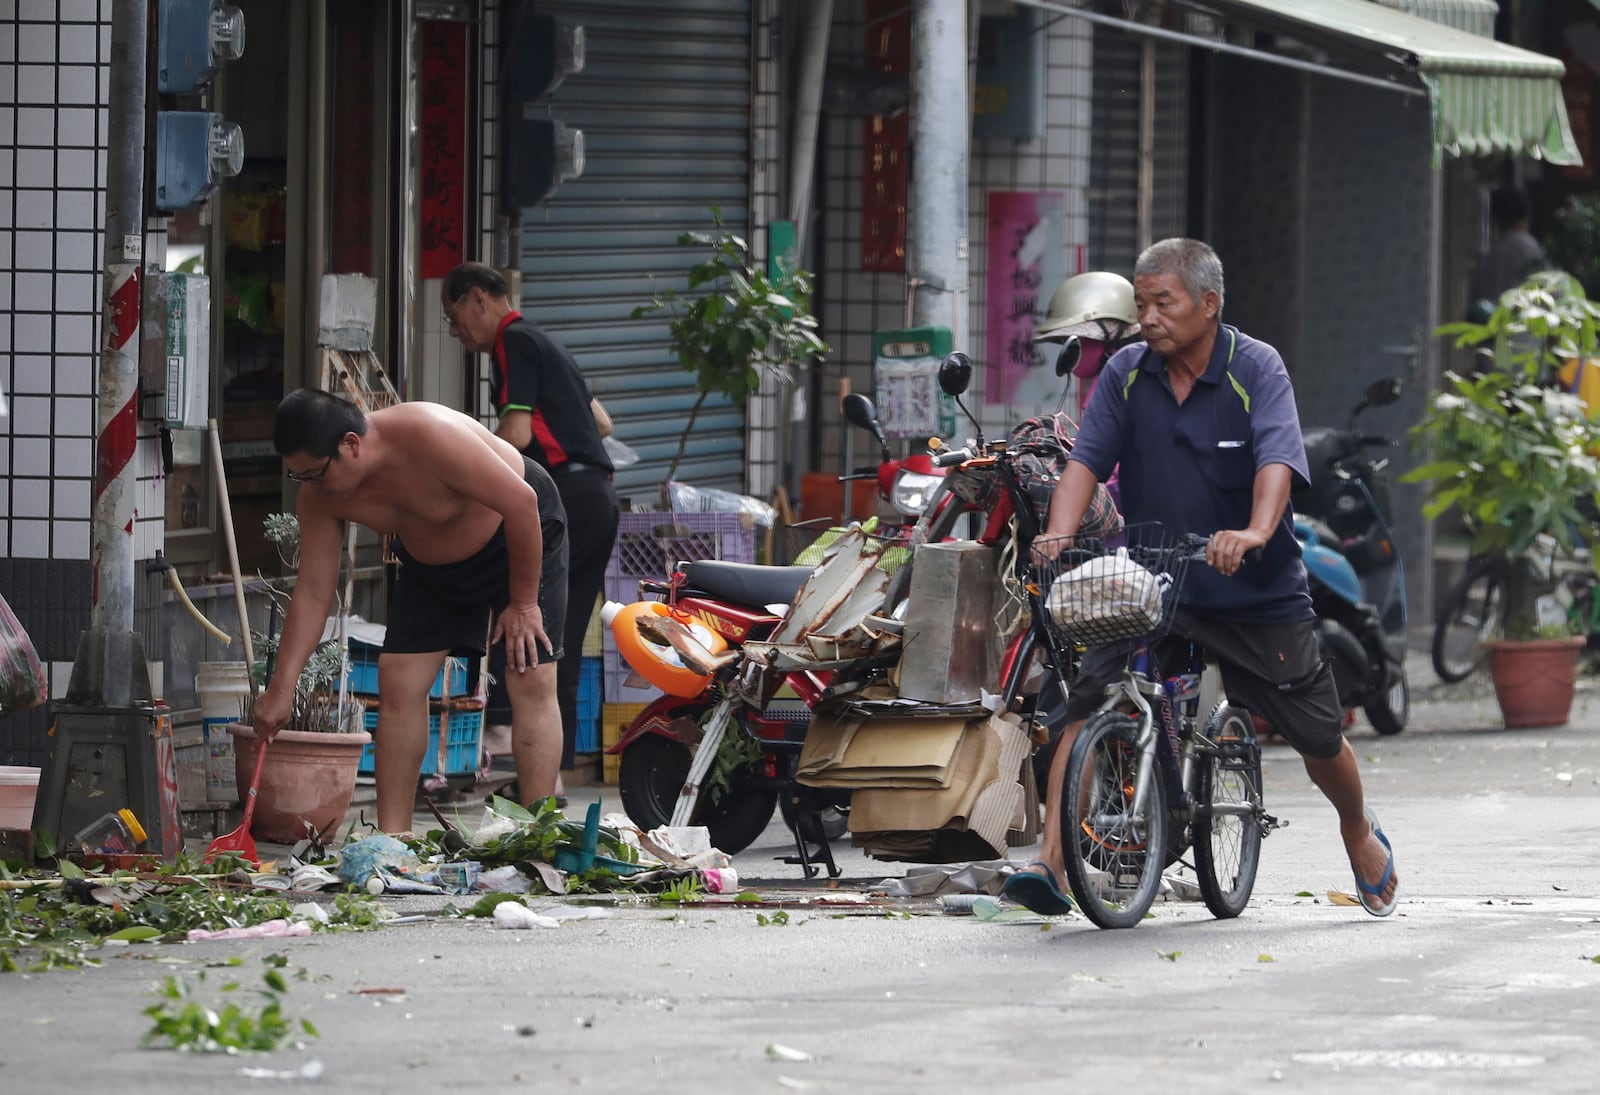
(353, 178)
(885, 145)
(441, 145)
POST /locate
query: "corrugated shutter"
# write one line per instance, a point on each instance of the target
(1114, 152)
(664, 105)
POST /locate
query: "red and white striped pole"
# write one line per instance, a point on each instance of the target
(110, 665)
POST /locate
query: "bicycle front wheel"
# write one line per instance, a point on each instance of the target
(1472, 613)
(1227, 824)
(1113, 843)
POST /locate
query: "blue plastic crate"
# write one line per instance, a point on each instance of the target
(463, 741)
(451, 681)
(591, 680)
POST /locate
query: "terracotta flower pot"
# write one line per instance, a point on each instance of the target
(305, 778)
(1534, 679)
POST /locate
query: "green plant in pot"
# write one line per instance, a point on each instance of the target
(308, 775)
(735, 321)
(1520, 461)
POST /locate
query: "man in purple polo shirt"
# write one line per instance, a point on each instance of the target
(1202, 420)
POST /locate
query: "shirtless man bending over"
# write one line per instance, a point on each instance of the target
(478, 529)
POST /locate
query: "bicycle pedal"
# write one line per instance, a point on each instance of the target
(1269, 823)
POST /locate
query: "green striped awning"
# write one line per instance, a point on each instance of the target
(1488, 97)
(1472, 16)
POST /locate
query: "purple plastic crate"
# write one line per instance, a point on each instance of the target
(648, 544)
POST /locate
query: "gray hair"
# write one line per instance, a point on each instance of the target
(1192, 262)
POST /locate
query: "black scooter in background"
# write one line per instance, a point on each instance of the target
(1358, 583)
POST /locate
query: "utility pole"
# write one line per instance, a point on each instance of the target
(936, 211)
(111, 745)
(110, 668)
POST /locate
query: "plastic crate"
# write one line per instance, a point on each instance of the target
(590, 695)
(614, 718)
(451, 681)
(591, 637)
(648, 544)
(463, 741)
(617, 674)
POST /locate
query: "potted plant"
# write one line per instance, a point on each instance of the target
(735, 321)
(1519, 459)
(309, 774)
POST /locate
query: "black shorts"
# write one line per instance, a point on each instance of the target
(1274, 670)
(449, 606)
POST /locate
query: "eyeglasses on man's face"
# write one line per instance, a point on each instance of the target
(451, 310)
(312, 476)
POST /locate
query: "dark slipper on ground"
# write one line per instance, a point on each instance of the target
(1040, 893)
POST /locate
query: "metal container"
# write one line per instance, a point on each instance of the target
(951, 645)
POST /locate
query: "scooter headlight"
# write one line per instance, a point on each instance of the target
(912, 492)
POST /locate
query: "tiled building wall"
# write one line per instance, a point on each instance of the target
(766, 167)
(854, 304)
(54, 77)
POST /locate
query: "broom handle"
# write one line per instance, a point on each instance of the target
(233, 557)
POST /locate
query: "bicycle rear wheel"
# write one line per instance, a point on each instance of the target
(1472, 613)
(1227, 824)
(1113, 846)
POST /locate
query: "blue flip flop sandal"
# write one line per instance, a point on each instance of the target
(1039, 893)
(1371, 893)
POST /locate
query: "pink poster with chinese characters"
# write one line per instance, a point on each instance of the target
(1027, 261)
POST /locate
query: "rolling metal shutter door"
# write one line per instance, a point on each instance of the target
(664, 105)
(1114, 152)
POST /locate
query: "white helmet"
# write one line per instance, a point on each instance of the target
(1094, 305)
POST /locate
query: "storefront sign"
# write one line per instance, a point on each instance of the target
(885, 145)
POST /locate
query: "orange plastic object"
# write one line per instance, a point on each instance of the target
(660, 665)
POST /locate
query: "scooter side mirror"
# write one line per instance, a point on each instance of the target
(955, 374)
(859, 411)
(1067, 359)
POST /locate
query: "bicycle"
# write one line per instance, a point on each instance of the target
(1472, 613)
(1145, 780)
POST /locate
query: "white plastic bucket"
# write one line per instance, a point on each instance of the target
(224, 689)
(18, 788)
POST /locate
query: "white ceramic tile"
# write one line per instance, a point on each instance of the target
(5, 472)
(105, 38)
(78, 11)
(30, 539)
(35, 167)
(36, 84)
(31, 335)
(79, 44)
(30, 497)
(29, 455)
(74, 417)
(36, 41)
(74, 456)
(79, 84)
(8, 123)
(71, 540)
(75, 374)
(75, 293)
(34, 209)
(76, 251)
(32, 375)
(5, 334)
(77, 127)
(36, 127)
(71, 499)
(74, 166)
(33, 294)
(5, 295)
(8, 42)
(8, 168)
(36, 11)
(60, 674)
(75, 334)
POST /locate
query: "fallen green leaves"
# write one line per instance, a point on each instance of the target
(185, 1023)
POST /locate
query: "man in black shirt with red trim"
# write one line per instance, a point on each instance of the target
(547, 412)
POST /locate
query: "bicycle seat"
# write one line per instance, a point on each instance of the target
(743, 583)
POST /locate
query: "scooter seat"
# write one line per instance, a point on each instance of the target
(743, 583)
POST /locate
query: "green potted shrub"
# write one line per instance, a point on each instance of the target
(1519, 459)
(735, 322)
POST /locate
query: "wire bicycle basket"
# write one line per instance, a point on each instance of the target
(1094, 592)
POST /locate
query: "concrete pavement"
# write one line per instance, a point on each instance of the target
(1483, 980)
